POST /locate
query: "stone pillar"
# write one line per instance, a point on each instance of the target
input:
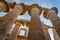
(45, 29)
(56, 36)
(52, 15)
(9, 19)
(15, 32)
(35, 29)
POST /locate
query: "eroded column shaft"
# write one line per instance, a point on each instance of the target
(11, 17)
(55, 21)
(8, 21)
(35, 29)
(46, 33)
(14, 33)
(56, 36)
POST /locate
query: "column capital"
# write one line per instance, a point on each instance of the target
(11, 5)
(34, 6)
(4, 4)
(21, 6)
(24, 9)
(49, 11)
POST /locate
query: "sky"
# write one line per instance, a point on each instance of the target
(42, 3)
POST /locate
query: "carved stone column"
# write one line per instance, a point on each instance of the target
(45, 29)
(56, 36)
(35, 29)
(15, 32)
(52, 15)
(9, 19)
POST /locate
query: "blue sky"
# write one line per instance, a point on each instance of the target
(42, 3)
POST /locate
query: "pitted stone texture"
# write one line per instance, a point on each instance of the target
(46, 33)
(35, 29)
(56, 22)
(15, 32)
(9, 19)
(56, 36)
